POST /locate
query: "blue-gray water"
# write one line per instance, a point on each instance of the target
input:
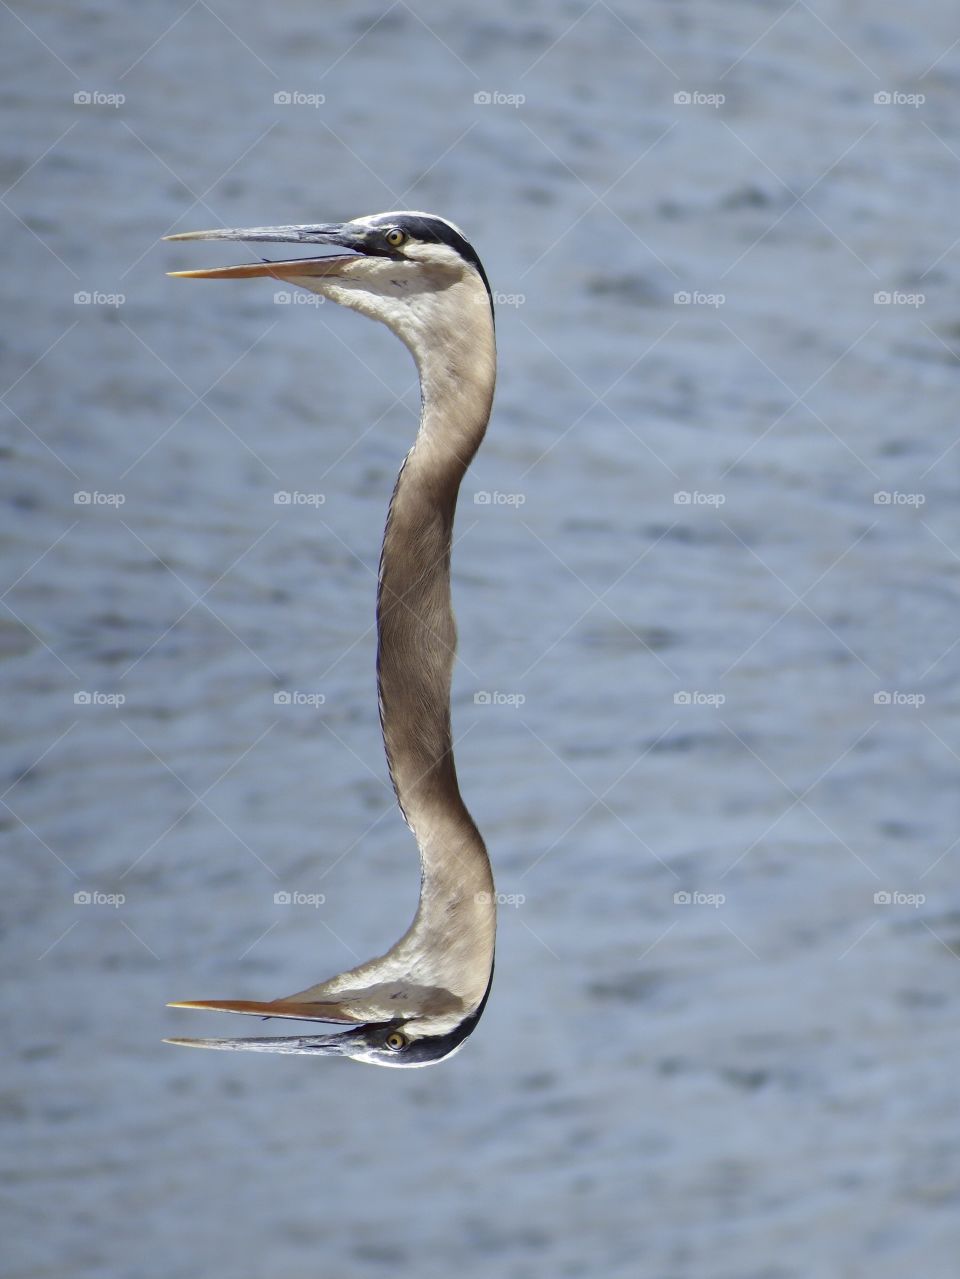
(759, 1083)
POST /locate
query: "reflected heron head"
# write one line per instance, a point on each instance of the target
(401, 1043)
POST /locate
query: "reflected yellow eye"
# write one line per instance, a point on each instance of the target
(395, 238)
(395, 1041)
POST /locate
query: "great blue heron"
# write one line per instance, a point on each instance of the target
(417, 274)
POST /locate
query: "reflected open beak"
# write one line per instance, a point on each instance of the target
(324, 1045)
(328, 1045)
(327, 233)
(288, 1008)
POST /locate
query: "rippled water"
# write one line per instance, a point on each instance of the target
(758, 1086)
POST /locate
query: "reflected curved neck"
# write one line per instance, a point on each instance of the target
(417, 636)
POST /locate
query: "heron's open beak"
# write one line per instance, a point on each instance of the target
(332, 233)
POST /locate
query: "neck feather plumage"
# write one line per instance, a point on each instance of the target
(439, 971)
(417, 633)
(417, 645)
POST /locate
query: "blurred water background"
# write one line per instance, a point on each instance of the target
(706, 573)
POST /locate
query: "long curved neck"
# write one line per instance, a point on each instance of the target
(417, 633)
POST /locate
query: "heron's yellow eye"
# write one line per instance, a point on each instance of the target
(395, 238)
(396, 1041)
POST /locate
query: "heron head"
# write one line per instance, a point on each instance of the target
(400, 1043)
(415, 272)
